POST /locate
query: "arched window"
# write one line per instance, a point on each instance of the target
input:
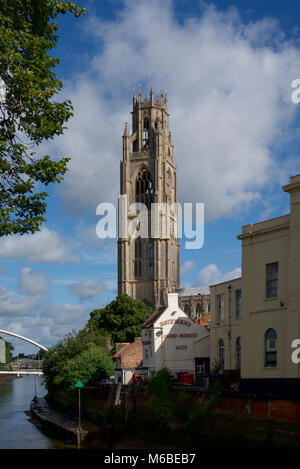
(270, 348)
(135, 146)
(187, 310)
(238, 353)
(221, 354)
(144, 187)
(199, 309)
(146, 133)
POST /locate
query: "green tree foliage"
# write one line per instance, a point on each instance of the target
(122, 318)
(88, 366)
(8, 351)
(161, 401)
(29, 115)
(68, 348)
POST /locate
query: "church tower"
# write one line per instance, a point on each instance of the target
(148, 257)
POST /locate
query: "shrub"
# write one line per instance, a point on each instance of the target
(88, 366)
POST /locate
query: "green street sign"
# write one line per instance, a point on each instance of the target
(79, 384)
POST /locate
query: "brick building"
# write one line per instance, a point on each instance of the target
(127, 359)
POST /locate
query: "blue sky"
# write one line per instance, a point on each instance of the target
(227, 68)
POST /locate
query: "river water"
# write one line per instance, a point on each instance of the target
(16, 429)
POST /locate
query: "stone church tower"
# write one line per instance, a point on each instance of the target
(148, 264)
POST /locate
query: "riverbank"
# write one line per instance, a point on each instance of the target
(61, 426)
(7, 378)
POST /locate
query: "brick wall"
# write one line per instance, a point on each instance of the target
(132, 356)
(279, 411)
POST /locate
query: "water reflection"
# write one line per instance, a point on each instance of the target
(16, 430)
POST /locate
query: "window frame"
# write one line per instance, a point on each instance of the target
(221, 307)
(270, 335)
(272, 280)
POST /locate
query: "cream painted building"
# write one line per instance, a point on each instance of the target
(270, 301)
(172, 340)
(226, 325)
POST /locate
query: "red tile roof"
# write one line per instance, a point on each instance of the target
(204, 321)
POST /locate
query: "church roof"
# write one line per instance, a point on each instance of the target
(193, 291)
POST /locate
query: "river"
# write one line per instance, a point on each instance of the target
(16, 429)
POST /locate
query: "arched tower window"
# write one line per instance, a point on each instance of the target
(270, 348)
(221, 354)
(146, 133)
(144, 187)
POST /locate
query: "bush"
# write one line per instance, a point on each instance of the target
(71, 346)
(159, 387)
(88, 366)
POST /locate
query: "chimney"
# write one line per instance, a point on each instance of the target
(172, 300)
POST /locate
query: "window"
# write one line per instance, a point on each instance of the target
(138, 249)
(137, 269)
(238, 303)
(187, 310)
(199, 309)
(150, 248)
(270, 348)
(144, 187)
(221, 354)
(150, 269)
(220, 307)
(146, 133)
(272, 280)
(238, 353)
(135, 146)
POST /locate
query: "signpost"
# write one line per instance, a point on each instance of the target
(79, 385)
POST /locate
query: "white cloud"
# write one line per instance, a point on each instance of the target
(88, 288)
(33, 282)
(37, 318)
(43, 246)
(187, 267)
(210, 275)
(229, 104)
(12, 305)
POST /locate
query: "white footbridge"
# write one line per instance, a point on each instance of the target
(23, 372)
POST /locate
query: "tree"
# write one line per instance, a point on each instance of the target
(8, 351)
(68, 348)
(122, 318)
(28, 114)
(88, 366)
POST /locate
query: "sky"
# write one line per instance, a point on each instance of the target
(227, 67)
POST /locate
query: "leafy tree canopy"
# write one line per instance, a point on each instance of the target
(28, 114)
(122, 318)
(68, 348)
(88, 366)
(8, 351)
